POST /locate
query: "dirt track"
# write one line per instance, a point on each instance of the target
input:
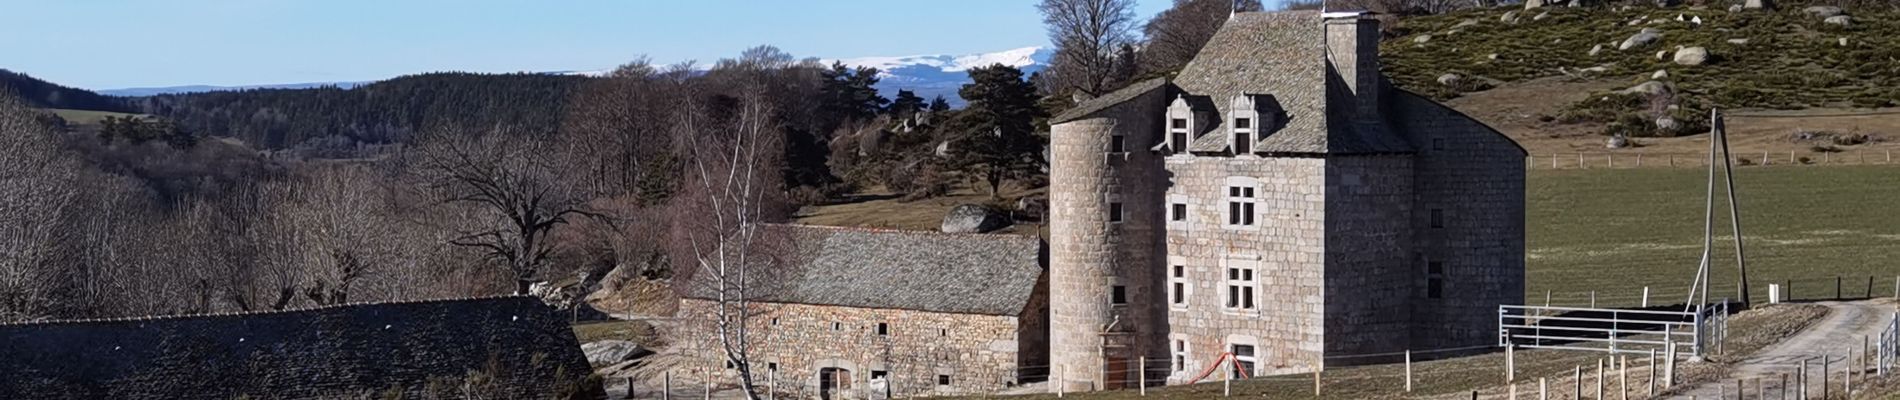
(1834, 336)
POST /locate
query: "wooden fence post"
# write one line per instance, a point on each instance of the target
(1510, 363)
(1062, 380)
(1837, 287)
(1645, 297)
(1652, 374)
(1593, 299)
(1623, 378)
(666, 386)
(1576, 390)
(1599, 379)
(1801, 379)
(1408, 370)
(1543, 388)
(1143, 366)
(1824, 363)
(1319, 362)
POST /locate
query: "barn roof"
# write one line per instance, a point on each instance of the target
(991, 274)
(334, 352)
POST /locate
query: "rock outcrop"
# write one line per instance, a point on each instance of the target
(972, 218)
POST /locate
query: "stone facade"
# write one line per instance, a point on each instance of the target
(856, 312)
(1313, 212)
(976, 353)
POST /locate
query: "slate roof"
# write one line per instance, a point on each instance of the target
(990, 274)
(1092, 106)
(350, 351)
(1280, 56)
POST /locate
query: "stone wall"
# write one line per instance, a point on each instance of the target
(979, 353)
(1476, 176)
(1089, 254)
(1286, 246)
(1370, 286)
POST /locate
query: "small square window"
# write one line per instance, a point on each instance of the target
(837, 326)
(1115, 212)
(1118, 295)
(1177, 212)
(883, 329)
(943, 380)
(1178, 123)
(1438, 143)
(1243, 123)
(1438, 218)
(771, 366)
(1117, 144)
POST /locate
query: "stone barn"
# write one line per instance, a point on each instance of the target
(857, 311)
(1277, 201)
(504, 347)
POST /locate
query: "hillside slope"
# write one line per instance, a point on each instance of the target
(1534, 74)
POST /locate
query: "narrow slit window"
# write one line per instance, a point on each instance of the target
(883, 329)
(1117, 144)
(1438, 218)
(1177, 212)
(1115, 212)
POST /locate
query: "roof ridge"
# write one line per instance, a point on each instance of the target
(919, 232)
(170, 317)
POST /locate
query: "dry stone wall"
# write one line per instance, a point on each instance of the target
(1370, 285)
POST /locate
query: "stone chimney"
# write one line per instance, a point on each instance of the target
(1352, 44)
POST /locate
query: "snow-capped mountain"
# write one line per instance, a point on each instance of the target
(933, 75)
(926, 75)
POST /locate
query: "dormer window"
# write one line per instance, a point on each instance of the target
(1243, 124)
(1181, 127)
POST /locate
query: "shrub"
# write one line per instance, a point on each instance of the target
(1825, 148)
(1805, 160)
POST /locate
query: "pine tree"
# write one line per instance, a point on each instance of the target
(939, 104)
(998, 142)
(907, 103)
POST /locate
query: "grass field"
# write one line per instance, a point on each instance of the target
(1616, 231)
(86, 117)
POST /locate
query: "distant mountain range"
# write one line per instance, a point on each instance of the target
(927, 75)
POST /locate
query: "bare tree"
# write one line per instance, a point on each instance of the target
(734, 157)
(516, 191)
(1087, 33)
(36, 189)
(1177, 34)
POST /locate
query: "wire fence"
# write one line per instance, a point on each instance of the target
(1379, 373)
(1622, 160)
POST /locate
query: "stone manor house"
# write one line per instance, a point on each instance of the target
(1278, 201)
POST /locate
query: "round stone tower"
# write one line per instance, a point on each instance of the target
(1106, 234)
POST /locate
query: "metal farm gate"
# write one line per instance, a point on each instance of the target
(1612, 330)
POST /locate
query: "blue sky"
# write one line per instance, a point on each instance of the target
(100, 44)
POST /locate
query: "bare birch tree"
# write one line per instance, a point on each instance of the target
(36, 189)
(734, 160)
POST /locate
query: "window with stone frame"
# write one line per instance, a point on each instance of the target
(1246, 355)
(883, 329)
(1434, 279)
(1178, 134)
(1115, 212)
(1117, 144)
(1178, 285)
(1241, 286)
(1242, 197)
(943, 380)
(1180, 348)
(1438, 218)
(1243, 135)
